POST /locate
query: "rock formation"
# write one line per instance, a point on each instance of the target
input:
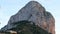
(34, 12)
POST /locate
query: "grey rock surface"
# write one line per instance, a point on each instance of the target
(35, 12)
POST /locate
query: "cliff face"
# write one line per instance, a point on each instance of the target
(35, 12)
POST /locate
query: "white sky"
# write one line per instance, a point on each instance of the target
(11, 7)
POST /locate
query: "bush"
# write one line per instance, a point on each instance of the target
(24, 27)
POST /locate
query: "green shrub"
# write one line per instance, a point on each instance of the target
(26, 28)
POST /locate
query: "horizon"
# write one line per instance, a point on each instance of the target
(11, 7)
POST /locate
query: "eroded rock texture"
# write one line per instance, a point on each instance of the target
(35, 12)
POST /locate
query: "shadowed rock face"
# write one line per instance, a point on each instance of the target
(35, 12)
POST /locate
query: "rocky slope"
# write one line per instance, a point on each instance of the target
(28, 27)
(35, 12)
(25, 27)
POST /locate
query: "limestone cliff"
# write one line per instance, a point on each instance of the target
(35, 12)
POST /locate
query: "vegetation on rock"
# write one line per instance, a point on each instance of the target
(25, 27)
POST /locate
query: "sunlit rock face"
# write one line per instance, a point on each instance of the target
(35, 12)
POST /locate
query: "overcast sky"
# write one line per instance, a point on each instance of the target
(11, 7)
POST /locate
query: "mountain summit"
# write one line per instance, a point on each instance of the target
(34, 12)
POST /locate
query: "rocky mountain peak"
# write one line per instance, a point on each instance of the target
(34, 12)
(34, 4)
